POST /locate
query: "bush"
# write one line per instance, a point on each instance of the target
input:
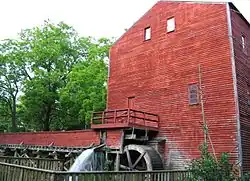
(246, 177)
(208, 168)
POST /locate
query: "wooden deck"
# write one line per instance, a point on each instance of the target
(125, 118)
(122, 126)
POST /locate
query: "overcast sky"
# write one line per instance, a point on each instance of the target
(98, 18)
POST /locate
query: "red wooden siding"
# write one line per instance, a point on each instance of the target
(114, 138)
(157, 72)
(67, 138)
(242, 62)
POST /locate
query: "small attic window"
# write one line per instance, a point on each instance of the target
(147, 33)
(171, 25)
(243, 42)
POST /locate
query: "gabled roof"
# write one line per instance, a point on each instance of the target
(232, 6)
(198, 1)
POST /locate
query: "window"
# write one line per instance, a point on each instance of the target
(243, 42)
(170, 25)
(147, 33)
(193, 94)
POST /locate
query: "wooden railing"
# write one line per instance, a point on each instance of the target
(22, 173)
(11, 172)
(126, 116)
(42, 163)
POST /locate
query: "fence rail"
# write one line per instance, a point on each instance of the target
(42, 163)
(22, 173)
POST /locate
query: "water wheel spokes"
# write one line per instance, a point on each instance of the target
(140, 158)
(124, 167)
(129, 159)
(133, 165)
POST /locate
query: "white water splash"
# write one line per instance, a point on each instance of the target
(84, 162)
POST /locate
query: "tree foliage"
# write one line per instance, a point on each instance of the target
(85, 90)
(51, 78)
(11, 79)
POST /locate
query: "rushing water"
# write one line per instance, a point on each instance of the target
(84, 162)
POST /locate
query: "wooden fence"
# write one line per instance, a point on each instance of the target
(42, 163)
(11, 172)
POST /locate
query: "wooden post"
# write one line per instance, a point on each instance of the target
(115, 113)
(158, 121)
(128, 116)
(202, 106)
(144, 117)
(117, 162)
(205, 127)
(92, 116)
(103, 114)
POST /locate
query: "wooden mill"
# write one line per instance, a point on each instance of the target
(180, 64)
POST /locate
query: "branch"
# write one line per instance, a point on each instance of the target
(27, 74)
(9, 83)
(5, 99)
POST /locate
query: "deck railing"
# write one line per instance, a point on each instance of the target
(23, 173)
(129, 116)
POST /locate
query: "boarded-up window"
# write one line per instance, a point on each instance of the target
(193, 94)
(147, 33)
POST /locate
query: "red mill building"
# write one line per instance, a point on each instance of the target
(179, 58)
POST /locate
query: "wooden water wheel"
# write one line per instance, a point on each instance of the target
(140, 158)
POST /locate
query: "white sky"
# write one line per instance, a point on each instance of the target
(98, 18)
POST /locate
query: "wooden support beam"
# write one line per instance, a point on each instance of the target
(129, 159)
(117, 162)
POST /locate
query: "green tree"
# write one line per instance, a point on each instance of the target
(11, 78)
(51, 51)
(51, 78)
(5, 122)
(68, 77)
(86, 89)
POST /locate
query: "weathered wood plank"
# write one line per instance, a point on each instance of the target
(42, 163)
(11, 172)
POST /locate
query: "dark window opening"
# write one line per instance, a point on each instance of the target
(193, 94)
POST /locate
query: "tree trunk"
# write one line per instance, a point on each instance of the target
(13, 116)
(46, 124)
